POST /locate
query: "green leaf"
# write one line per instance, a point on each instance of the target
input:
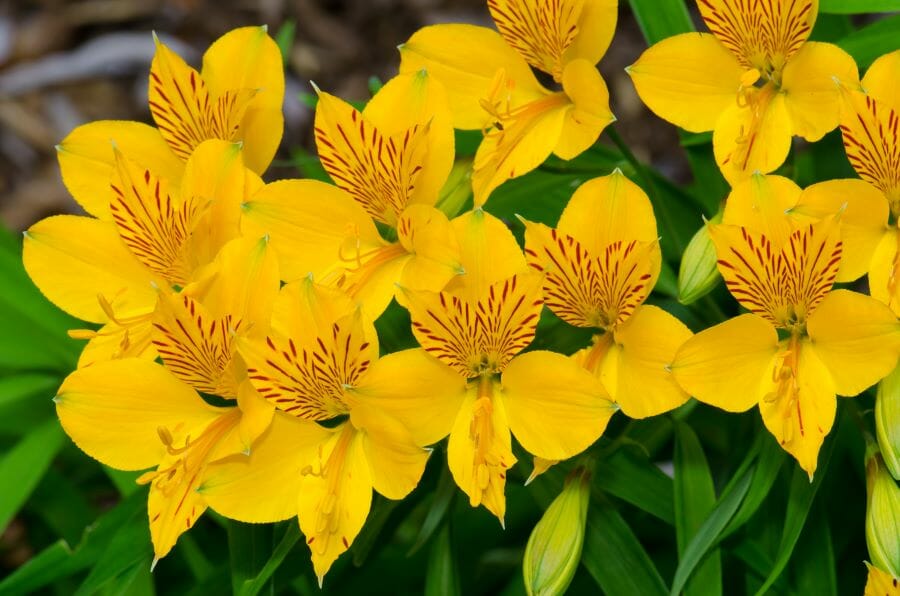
(59, 560)
(368, 537)
(24, 465)
(636, 480)
(249, 547)
(291, 535)
(815, 573)
(659, 19)
(858, 6)
(614, 557)
(800, 500)
(695, 497)
(129, 551)
(442, 576)
(768, 464)
(868, 43)
(284, 38)
(710, 531)
(25, 386)
(440, 506)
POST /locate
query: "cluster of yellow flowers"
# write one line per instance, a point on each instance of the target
(236, 353)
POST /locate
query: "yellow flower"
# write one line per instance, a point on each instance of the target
(755, 81)
(476, 327)
(389, 163)
(599, 266)
(320, 350)
(236, 98)
(491, 87)
(869, 128)
(835, 342)
(132, 413)
(157, 234)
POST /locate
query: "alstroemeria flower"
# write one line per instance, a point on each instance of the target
(320, 349)
(871, 139)
(491, 87)
(599, 266)
(389, 163)
(755, 81)
(237, 97)
(158, 234)
(835, 342)
(476, 329)
(133, 414)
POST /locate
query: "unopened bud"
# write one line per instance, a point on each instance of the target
(698, 273)
(457, 190)
(882, 515)
(554, 548)
(887, 421)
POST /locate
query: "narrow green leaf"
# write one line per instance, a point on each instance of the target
(440, 505)
(634, 479)
(25, 386)
(858, 6)
(288, 540)
(710, 531)
(771, 457)
(659, 19)
(194, 557)
(442, 576)
(24, 465)
(614, 557)
(695, 497)
(800, 500)
(868, 43)
(815, 567)
(128, 550)
(368, 537)
(249, 547)
(284, 38)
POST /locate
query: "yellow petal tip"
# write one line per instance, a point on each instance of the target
(315, 87)
(153, 564)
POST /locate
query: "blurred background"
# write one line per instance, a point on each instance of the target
(64, 63)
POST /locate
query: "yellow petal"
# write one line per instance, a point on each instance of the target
(729, 365)
(185, 112)
(881, 80)
(803, 413)
(583, 124)
(114, 411)
(761, 203)
(864, 218)
(884, 271)
(869, 129)
(154, 225)
(114, 340)
(478, 337)
(334, 497)
(465, 59)
(307, 222)
(555, 408)
(591, 289)
(688, 80)
(811, 86)
(426, 233)
(752, 137)
(857, 339)
(881, 583)
(761, 35)
(307, 309)
(647, 343)
(606, 209)
(418, 100)
(395, 384)
(489, 253)
(263, 487)
(73, 260)
(215, 175)
(479, 452)
(519, 144)
(596, 27)
(395, 461)
(86, 159)
(247, 58)
(256, 415)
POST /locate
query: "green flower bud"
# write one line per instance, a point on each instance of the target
(698, 273)
(554, 548)
(887, 421)
(882, 515)
(457, 190)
